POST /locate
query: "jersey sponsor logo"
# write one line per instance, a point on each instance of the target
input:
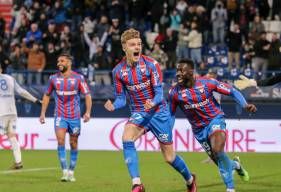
(138, 86)
(196, 105)
(223, 87)
(66, 92)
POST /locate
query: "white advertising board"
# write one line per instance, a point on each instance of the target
(106, 133)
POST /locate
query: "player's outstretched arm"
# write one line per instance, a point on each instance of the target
(45, 103)
(109, 105)
(87, 114)
(25, 94)
(245, 82)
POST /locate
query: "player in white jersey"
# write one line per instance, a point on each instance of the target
(8, 112)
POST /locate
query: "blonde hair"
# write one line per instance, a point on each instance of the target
(129, 34)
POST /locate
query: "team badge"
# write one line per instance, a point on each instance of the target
(201, 89)
(124, 73)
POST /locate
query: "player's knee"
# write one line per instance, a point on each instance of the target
(73, 144)
(61, 142)
(128, 137)
(169, 159)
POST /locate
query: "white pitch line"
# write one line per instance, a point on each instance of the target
(27, 170)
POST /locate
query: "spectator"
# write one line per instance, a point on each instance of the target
(18, 63)
(102, 27)
(218, 18)
(175, 20)
(4, 59)
(99, 63)
(116, 9)
(2, 26)
(164, 21)
(19, 14)
(182, 45)
(248, 52)
(34, 35)
(36, 62)
(115, 33)
(79, 48)
(170, 45)
(274, 60)
(181, 6)
(51, 35)
(159, 55)
(256, 28)
(260, 60)
(194, 39)
(234, 43)
(51, 61)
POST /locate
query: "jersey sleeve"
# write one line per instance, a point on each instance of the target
(119, 91)
(156, 80)
(227, 89)
(50, 86)
(83, 86)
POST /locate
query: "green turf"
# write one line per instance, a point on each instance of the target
(106, 172)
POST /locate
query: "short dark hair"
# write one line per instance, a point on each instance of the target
(67, 55)
(188, 62)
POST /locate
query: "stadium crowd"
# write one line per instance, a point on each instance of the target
(228, 36)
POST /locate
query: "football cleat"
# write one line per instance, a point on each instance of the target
(192, 187)
(16, 166)
(138, 188)
(244, 175)
(230, 190)
(71, 177)
(64, 177)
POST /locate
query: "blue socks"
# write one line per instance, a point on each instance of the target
(226, 166)
(131, 158)
(73, 159)
(179, 165)
(62, 157)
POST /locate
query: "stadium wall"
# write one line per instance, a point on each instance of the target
(105, 134)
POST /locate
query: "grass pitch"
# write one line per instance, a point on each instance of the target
(99, 171)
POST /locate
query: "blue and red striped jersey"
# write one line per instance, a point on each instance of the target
(141, 82)
(198, 103)
(67, 94)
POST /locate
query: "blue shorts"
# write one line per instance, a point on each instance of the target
(73, 126)
(203, 135)
(159, 123)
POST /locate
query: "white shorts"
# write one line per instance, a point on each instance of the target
(8, 124)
